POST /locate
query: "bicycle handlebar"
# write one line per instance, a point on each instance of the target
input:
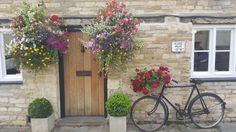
(174, 81)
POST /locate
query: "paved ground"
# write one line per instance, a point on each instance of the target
(224, 127)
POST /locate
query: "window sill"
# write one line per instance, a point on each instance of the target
(225, 79)
(11, 81)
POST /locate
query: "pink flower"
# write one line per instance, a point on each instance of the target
(123, 45)
(122, 4)
(13, 23)
(118, 29)
(66, 33)
(50, 29)
(60, 32)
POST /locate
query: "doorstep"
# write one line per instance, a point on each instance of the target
(82, 121)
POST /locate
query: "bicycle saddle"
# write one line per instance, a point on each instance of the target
(196, 81)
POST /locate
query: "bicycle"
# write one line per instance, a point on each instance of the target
(206, 110)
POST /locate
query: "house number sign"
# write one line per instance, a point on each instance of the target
(178, 46)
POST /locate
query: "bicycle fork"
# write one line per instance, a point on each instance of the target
(156, 106)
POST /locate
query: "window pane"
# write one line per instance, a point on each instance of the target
(223, 39)
(201, 40)
(222, 61)
(201, 61)
(12, 65)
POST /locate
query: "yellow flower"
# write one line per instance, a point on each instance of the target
(25, 54)
(31, 64)
(29, 59)
(36, 49)
(27, 62)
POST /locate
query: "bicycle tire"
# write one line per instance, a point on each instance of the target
(140, 117)
(209, 118)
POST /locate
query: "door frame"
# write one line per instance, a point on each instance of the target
(72, 28)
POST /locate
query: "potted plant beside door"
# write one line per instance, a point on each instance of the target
(41, 115)
(118, 106)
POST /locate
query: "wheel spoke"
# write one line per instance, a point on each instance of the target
(146, 115)
(211, 114)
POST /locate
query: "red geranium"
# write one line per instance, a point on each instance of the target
(54, 18)
(145, 91)
(147, 80)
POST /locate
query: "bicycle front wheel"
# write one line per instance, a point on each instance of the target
(146, 115)
(206, 110)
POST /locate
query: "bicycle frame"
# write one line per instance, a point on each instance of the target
(193, 86)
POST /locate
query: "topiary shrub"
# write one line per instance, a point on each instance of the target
(118, 104)
(40, 108)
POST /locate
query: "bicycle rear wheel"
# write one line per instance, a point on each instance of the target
(146, 116)
(208, 115)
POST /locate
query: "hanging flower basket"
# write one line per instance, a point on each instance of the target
(112, 36)
(38, 39)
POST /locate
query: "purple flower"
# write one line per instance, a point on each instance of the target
(49, 41)
(90, 44)
(123, 44)
(58, 46)
(105, 46)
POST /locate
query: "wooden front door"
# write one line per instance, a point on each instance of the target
(84, 87)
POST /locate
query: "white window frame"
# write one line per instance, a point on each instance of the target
(211, 73)
(4, 78)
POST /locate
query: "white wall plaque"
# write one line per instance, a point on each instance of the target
(178, 46)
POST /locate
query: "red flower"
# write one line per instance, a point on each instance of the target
(159, 73)
(108, 12)
(150, 72)
(135, 89)
(136, 83)
(157, 81)
(166, 69)
(167, 79)
(114, 3)
(161, 68)
(54, 18)
(141, 74)
(147, 76)
(150, 82)
(145, 91)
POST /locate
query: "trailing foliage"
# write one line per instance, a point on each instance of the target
(37, 38)
(112, 36)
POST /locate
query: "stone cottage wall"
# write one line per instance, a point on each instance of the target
(157, 51)
(14, 98)
(157, 36)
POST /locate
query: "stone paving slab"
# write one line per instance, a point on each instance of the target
(14, 129)
(224, 127)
